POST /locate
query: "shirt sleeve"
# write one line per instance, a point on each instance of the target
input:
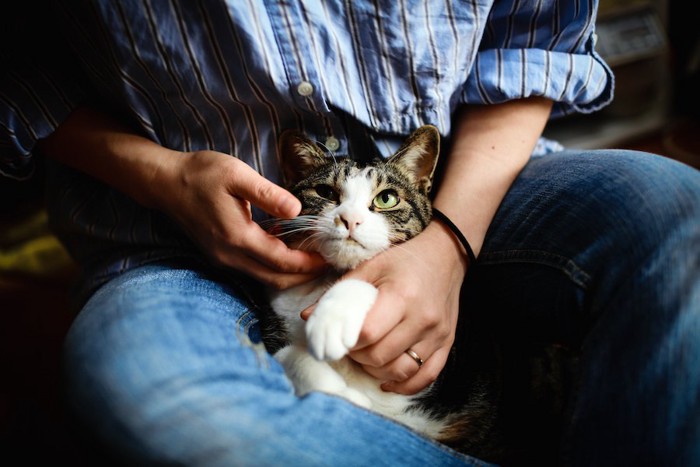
(542, 48)
(38, 90)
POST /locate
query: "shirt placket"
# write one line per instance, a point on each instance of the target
(301, 68)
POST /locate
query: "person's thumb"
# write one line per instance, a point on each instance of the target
(259, 191)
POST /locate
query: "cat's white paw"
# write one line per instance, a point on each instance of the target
(335, 324)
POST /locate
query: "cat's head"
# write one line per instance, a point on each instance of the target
(350, 210)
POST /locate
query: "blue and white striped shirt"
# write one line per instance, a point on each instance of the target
(231, 75)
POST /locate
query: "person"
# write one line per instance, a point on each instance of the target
(138, 108)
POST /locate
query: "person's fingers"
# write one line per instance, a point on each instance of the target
(383, 359)
(274, 253)
(386, 360)
(214, 209)
(400, 369)
(247, 184)
(267, 275)
(386, 313)
(426, 374)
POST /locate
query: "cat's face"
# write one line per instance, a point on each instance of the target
(352, 211)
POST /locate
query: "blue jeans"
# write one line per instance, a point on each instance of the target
(597, 252)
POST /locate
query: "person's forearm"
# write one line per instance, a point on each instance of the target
(491, 145)
(208, 193)
(99, 146)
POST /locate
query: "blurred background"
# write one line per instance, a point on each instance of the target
(653, 47)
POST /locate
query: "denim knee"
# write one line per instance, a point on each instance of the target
(651, 195)
(159, 346)
(642, 207)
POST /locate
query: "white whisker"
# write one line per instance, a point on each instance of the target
(312, 240)
(283, 227)
(329, 152)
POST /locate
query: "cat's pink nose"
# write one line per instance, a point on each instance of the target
(351, 221)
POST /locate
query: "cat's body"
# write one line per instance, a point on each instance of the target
(350, 213)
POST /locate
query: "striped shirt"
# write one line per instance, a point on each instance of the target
(356, 76)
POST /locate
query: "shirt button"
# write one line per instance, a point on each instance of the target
(332, 144)
(305, 89)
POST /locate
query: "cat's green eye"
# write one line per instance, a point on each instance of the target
(387, 199)
(327, 192)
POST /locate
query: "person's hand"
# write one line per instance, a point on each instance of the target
(416, 308)
(207, 192)
(210, 195)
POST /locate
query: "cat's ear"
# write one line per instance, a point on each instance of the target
(298, 156)
(418, 156)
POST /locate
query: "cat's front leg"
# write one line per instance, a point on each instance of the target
(334, 327)
(308, 374)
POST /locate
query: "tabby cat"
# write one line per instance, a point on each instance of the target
(351, 211)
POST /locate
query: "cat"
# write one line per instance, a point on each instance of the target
(352, 211)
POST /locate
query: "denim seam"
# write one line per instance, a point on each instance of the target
(247, 320)
(243, 325)
(566, 265)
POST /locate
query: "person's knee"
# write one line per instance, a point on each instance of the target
(143, 353)
(645, 199)
(657, 199)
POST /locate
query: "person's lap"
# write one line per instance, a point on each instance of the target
(163, 361)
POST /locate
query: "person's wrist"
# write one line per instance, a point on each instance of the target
(448, 247)
(447, 222)
(163, 182)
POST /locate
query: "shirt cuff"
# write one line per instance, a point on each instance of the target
(577, 83)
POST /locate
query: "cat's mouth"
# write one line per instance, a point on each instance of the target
(353, 241)
(347, 240)
(346, 253)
